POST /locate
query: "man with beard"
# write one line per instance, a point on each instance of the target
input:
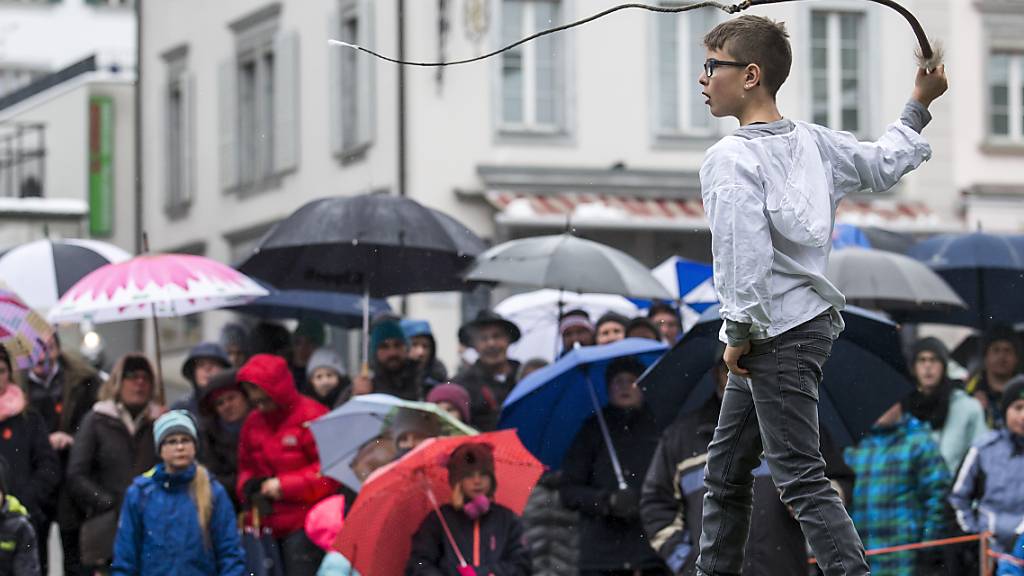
(493, 376)
(393, 371)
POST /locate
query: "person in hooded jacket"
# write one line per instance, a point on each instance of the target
(487, 535)
(204, 362)
(278, 464)
(988, 493)
(956, 419)
(223, 408)
(326, 381)
(612, 538)
(19, 550)
(672, 501)
(176, 519)
(62, 388)
(113, 446)
(423, 349)
(24, 444)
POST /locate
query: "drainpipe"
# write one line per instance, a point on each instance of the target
(400, 186)
(138, 128)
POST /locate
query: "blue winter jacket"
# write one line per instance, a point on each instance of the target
(159, 531)
(1007, 568)
(988, 493)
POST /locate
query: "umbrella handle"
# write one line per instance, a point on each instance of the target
(604, 432)
(444, 524)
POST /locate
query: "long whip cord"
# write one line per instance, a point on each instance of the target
(927, 57)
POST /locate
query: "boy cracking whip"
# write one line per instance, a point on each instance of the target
(770, 192)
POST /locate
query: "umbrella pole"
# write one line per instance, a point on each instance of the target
(604, 432)
(558, 320)
(159, 358)
(366, 329)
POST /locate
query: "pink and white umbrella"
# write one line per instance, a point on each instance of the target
(163, 285)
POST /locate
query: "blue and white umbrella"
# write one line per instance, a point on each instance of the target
(42, 271)
(691, 283)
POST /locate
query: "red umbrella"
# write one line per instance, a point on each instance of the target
(377, 535)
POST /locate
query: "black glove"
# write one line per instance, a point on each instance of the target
(262, 504)
(251, 489)
(624, 504)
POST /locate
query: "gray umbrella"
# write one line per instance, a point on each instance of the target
(565, 262)
(888, 281)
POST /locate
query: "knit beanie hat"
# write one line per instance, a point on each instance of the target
(933, 345)
(386, 330)
(611, 317)
(311, 329)
(453, 394)
(1014, 391)
(470, 458)
(174, 422)
(325, 358)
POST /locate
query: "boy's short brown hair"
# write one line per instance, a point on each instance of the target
(758, 40)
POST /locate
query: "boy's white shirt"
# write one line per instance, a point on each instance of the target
(771, 202)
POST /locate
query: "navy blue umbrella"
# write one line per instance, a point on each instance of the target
(864, 376)
(986, 270)
(335, 308)
(548, 407)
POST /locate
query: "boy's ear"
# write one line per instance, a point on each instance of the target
(751, 76)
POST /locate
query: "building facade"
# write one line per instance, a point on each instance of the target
(249, 113)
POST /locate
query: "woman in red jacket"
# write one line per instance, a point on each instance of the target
(278, 466)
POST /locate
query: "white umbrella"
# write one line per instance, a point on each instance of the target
(536, 315)
(44, 270)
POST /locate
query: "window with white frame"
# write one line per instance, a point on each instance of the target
(837, 70)
(259, 114)
(679, 58)
(1006, 96)
(178, 100)
(352, 79)
(532, 93)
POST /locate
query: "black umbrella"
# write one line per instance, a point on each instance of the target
(865, 374)
(376, 245)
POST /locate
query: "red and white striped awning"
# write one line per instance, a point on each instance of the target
(623, 211)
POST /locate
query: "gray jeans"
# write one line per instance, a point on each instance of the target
(776, 411)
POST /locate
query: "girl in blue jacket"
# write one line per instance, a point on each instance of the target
(175, 519)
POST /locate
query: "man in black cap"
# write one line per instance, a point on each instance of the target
(1001, 362)
(493, 376)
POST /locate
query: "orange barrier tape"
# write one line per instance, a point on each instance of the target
(1000, 556)
(917, 546)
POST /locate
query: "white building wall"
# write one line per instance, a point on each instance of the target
(451, 128)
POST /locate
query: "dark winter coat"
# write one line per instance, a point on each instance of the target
(34, 471)
(501, 551)
(279, 444)
(405, 383)
(18, 553)
(486, 394)
(609, 542)
(673, 501)
(107, 455)
(63, 404)
(159, 530)
(218, 442)
(551, 530)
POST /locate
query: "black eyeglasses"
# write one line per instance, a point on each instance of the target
(711, 63)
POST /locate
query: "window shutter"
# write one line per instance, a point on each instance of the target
(228, 124)
(188, 130)
(334, 57)
(367, 74)
(286, 101)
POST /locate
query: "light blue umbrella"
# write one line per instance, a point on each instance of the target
(548, 407)
(340, 433)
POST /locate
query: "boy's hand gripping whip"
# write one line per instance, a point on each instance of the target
(927, 57)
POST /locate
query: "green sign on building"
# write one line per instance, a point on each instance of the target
(101, 166)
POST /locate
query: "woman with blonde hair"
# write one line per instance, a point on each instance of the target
(175, 518)
(113, 446)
